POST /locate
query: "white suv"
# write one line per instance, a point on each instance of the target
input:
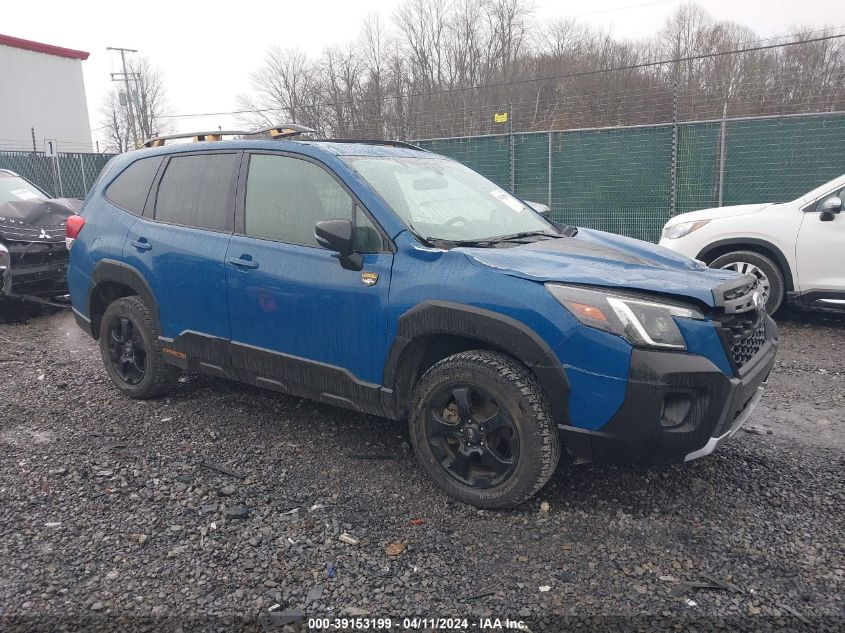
(796, 249)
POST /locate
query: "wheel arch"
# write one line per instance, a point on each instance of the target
(434, 330)
(112, 280)
(763, 247)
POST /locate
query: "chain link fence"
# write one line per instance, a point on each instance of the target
(620, 149)
(626, 180)
(631, 179)
(68, 175)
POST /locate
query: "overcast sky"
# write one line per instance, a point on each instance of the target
(206, 50)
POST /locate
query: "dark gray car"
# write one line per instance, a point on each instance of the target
(33, 255)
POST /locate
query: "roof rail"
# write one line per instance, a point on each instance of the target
(158, 141)
(283, 130)
(368, 141)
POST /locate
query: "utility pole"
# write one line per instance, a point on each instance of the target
(125, 74)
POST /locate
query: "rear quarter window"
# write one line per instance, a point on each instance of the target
(198, 190)
(130, 189)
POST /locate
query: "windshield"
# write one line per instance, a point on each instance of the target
(15, 189)
(440, 199)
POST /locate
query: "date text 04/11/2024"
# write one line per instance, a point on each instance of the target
(415, 623)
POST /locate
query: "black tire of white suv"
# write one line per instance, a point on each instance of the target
(481, 428)
(764, 266)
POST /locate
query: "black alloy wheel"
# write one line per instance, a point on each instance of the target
(132, 350)
(472, 437)
(127, 351)
(481, 428)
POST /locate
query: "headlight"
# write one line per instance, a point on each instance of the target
(683, 229)
(640, 321)
(5, 260)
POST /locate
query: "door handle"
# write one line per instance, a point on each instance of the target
(142, 244)
(242, 262)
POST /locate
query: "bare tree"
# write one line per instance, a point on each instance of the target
(423, 23)
(149, 106)
(444, 67)
(286, 89)
(376, 47)
(149, 98)
(115, 120)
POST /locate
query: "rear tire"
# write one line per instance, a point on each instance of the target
(481, 428)
(762, 267)
(131, 350)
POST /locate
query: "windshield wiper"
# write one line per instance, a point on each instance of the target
(523, 234)
(490, 241)
(453, 243)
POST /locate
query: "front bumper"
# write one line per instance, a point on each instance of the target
(677, 407)
(41, 274)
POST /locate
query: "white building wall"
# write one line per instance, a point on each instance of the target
(44, 92)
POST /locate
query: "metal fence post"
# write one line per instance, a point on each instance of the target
(59, 171)
(673, 185)
(723, 152)
(53, 173)
(549, 172)
(512, 150)
(82, 168)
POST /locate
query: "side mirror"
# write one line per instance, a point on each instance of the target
(339, 236)
(830, 209)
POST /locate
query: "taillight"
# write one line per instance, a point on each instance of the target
(72, 228)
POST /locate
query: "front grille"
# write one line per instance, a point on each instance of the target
(737, 296)
(22, 232)
(743, 318)
(744, 349)
(25, 255)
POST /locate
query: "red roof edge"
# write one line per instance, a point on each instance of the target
(38, 47)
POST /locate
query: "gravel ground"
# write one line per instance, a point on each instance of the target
(112, 512)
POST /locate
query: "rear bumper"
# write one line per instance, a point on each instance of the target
(677, 407)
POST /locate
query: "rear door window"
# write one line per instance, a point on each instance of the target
(130, 189)
(198, 190)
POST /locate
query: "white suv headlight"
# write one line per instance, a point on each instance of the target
(683, 229)
(640, 321)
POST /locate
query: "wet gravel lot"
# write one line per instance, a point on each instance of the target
(114, 513)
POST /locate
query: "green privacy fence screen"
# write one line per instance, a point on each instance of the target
(627, 180)
(66, 176)
(630, 180)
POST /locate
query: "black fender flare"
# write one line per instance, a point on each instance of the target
(111, 270)
(780, 258)
(493, 329)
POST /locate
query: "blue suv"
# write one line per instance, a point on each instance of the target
(383, 278)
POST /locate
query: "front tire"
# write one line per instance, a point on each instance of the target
(131, 350)
(481, 428)
(767, 272)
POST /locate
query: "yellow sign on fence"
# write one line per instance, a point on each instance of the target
(500, 117)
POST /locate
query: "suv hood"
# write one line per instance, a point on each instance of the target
(597, 258)
(717, 212)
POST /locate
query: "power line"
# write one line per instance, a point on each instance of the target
(519, 82)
